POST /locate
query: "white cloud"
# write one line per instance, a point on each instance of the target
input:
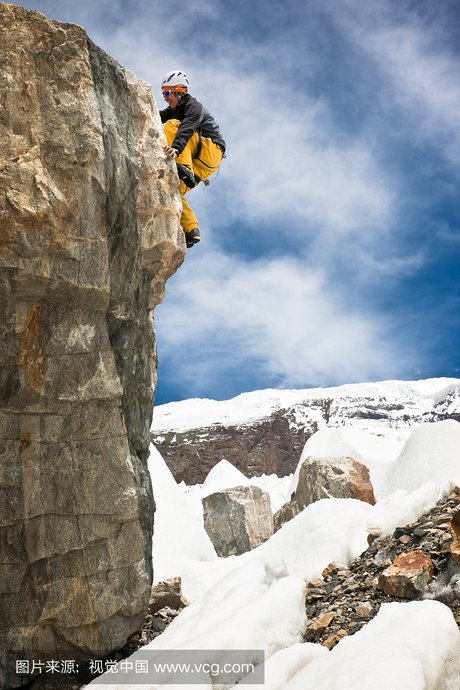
(279, 312)
(396, 266)
(420, 68)
(445, 232)
(294, 170)
(427, 82)
(286, 162)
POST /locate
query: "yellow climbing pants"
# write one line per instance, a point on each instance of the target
(204, 166)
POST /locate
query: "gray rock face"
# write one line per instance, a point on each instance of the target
(90, 233)
(327, 478)
(238, 519)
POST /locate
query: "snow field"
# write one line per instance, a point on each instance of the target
(256, 600)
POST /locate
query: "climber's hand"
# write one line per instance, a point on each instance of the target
(172, 153)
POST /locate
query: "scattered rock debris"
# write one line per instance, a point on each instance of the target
(345, 598)
(417, 561)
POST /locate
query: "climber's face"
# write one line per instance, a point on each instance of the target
(171, 98)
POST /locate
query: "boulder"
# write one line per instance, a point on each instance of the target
(335, 569)
(364, 609)
(339, 477)
(167, 594)
(408, 576)
(90, 232)
(331, 641)
(238, 519)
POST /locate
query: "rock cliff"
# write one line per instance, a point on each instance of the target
(265, 431)
(89, 234)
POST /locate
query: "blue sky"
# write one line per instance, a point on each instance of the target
(330, 238)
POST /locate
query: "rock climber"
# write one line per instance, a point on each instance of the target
(194, 141)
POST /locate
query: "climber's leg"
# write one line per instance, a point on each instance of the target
(188, 219)
(209, 159)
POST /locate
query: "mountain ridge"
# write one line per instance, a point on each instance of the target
(261, 403)
(264, 432)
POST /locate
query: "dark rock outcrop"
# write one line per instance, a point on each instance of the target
(89, 235)
(264, 447)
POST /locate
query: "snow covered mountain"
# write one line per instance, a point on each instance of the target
(264, 432)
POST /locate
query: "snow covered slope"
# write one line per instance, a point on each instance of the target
(257, 600)
(396, 401)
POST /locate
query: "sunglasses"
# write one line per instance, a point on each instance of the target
(167, 94)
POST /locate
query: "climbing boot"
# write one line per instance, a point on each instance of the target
(192, 237)
(186, 174)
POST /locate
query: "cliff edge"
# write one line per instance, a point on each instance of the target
(89, 218)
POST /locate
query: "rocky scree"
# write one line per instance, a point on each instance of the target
(344, 599)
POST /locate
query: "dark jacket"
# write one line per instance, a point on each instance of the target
(194, 118)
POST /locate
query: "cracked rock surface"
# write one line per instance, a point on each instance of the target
(90, 233)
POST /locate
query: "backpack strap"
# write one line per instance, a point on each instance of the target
(199, 146)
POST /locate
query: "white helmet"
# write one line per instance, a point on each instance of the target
(175, 78)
